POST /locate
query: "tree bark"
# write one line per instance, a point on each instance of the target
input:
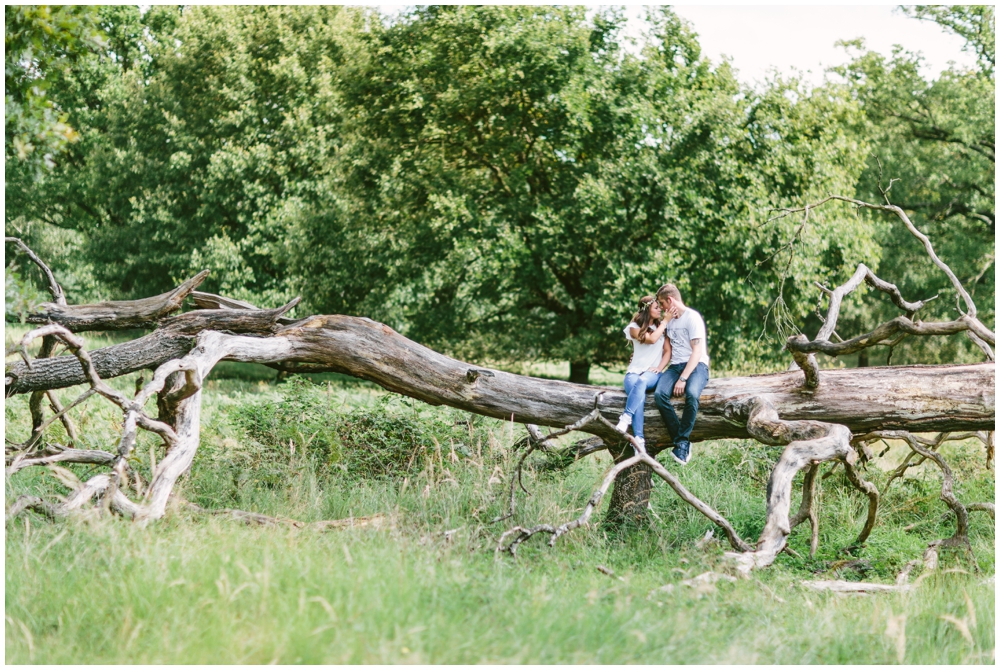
(915, 398)
(629, 500)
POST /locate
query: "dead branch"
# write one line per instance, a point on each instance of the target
(256, 519)
(807, 508)
(807, 442)
(982, 336)
(90, 456)
(58, 295)
(871, 491)
(263, 321)
(961, 536)
(639, 456)
(117, 315)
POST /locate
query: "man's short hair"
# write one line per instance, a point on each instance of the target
(668, 291)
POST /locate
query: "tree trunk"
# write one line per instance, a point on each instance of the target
(630, 497)
(579, 372)
(863, 358)
(915, 398)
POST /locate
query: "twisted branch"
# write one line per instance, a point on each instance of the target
(639, 456)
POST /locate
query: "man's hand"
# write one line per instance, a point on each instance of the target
(679, 387)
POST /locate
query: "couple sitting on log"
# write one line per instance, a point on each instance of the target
(670, 354)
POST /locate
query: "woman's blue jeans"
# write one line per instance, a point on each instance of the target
(636, 385)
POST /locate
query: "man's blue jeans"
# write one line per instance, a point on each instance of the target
(680, 430)
(636, 385)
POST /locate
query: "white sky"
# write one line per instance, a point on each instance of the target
(759, 38)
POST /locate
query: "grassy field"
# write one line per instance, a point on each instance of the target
(427, 587)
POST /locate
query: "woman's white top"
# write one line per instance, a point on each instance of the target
(644, 356)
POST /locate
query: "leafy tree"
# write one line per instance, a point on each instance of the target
(40, 43)
(933, 141)
(199, 129)
(512, 181)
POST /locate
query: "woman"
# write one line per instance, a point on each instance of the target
(645, 332)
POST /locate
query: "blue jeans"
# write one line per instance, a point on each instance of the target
(636, 386)
(680, 430)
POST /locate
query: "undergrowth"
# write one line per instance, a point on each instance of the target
(426, 585)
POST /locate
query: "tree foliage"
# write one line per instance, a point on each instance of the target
(934, 141)
(501, 183)
(40, 43)
(515, 180)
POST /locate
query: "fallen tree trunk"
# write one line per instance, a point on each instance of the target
(919, 398)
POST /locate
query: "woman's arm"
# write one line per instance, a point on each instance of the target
(649, 338)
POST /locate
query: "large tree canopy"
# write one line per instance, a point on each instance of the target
(501, 183)
(513, 180)
(198, 128)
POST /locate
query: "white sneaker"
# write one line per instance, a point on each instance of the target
(623, 423)
(642, 444)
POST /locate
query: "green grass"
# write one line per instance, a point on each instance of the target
(428, 588)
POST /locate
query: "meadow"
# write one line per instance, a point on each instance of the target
(425, 585)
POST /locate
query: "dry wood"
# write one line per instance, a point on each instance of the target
(813, 422)
(920, 398)
(808, 508)
(117, 314)
(58, 295)
(969, 323)
(841, 586)
(808, 442)
(639, 457)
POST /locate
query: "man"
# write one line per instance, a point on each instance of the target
(687, 374)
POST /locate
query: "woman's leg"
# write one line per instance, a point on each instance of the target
(636, 391)
(631, 383)
(645, 382)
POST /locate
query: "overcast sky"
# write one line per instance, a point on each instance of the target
(760, 37)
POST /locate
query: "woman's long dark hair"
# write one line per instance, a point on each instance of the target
(644, 318)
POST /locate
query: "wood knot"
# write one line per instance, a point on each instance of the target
(474, 374)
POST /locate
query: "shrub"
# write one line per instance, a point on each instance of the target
(386, 440)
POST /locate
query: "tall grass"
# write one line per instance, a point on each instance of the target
(428, 587)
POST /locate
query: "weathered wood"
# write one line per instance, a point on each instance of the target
(228, 319)
(117, 314)
(149, 351)
(918, 398)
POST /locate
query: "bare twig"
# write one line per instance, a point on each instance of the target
(58, 295)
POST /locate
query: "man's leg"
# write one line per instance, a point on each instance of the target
(665, 389)
(692, 396)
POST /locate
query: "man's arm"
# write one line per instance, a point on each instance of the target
(697, 349)
(665, 361)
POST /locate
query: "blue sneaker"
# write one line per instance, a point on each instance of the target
(682, 452)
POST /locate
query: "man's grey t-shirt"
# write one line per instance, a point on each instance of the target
(688, 326)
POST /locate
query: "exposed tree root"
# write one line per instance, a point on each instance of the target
(808, 442)
(808, 508)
